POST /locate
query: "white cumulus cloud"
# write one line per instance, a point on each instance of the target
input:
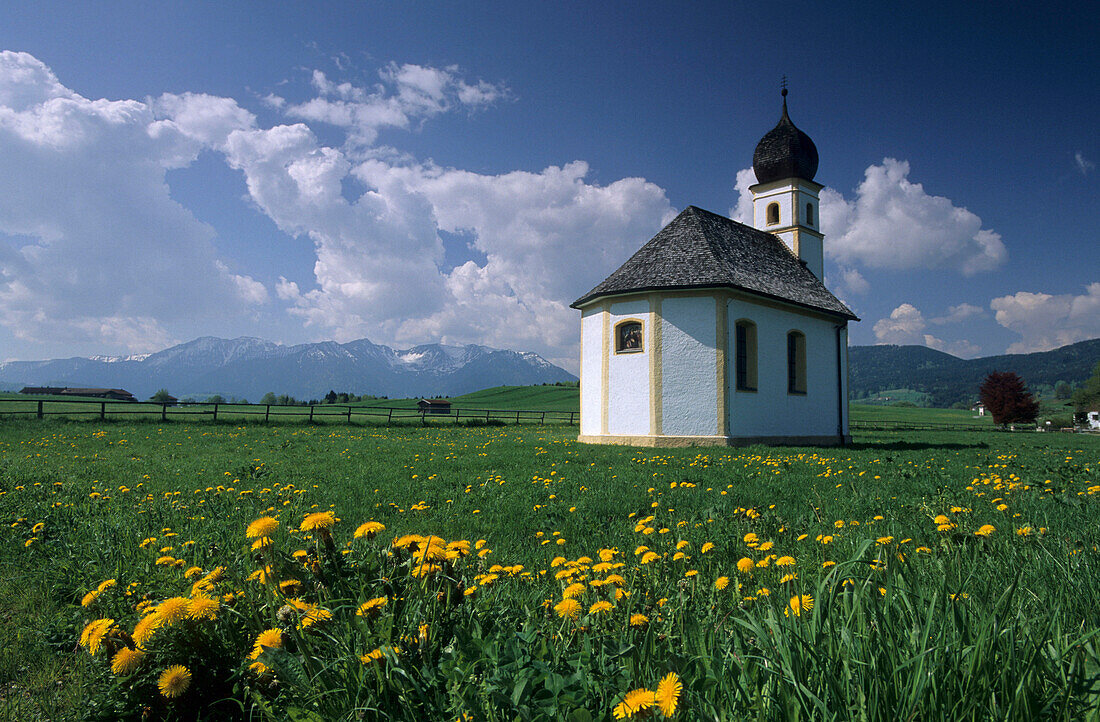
(906, 325)
(1084, 165)
(893, 223)
(92, 246)
(1045, 321)
(406, 93)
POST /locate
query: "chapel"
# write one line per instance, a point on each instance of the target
(720, 333)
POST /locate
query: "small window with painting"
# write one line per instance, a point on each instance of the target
(628, 337)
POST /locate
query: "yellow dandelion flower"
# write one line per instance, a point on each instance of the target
(203, 608)
(607, 555)
(573, 590)
(262, 543)
(668, 694)
(173, 609)
(799, 604)
(94, 633)
(788, 578)
(642, 549)
(192, 572)
(372, 607)
(318, 521)
(638, 620)
(126, 660)
(650, 557)
(745, 565)
(265, 526)
(784, 562)
(144, 629)
(568, 607)
(766, 546)
(635, 701)
(600, 607)
(721, 583)
(89, 598)
(751, 538)
(269, 638)
(174, 681)
(369, 529)
(707, 546)
(985, 530)
(1023, 531)
(290, 587)
(691, 572)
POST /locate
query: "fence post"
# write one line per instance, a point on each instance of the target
(267, 412)
(543, 421)
(164, 411)
(215, 412)
(389, 416)
(40, 409)
(102, 410)
(571, 418)
(311, 413)
(349, 414)
(517, 416)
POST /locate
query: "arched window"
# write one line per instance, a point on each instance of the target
(773, 214)
(809, 214)
(745, 355)
(628, 336)
(796, 362)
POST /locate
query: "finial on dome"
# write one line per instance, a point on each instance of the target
(785, 152)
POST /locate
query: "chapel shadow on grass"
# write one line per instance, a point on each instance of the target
(912, 445)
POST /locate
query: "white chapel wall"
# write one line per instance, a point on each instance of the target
(591, 369)
(628, 374)
(689, 375)
(770, 410)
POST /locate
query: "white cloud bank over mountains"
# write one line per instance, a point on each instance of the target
(95, 251)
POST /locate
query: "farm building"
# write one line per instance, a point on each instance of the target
(112, 394)
(434, 406)
(720, 333)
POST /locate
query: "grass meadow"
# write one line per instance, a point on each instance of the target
(326, 572)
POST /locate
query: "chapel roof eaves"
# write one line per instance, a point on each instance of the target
(699, 249)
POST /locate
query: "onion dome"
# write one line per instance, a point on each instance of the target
(785, 152)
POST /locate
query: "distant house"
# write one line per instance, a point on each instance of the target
(979, 409)
(110, 394)
(434, 406)
(1092, 418)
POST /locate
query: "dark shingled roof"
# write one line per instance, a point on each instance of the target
(784, 152)
(700, 249)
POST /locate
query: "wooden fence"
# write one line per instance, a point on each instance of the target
(152, 410)
(929, 426)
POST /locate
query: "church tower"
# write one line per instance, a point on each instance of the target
(785, 197)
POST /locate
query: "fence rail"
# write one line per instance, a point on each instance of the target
(928, 426)
(40, 408)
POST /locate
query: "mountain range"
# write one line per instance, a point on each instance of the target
(948, 379)
(250, 367)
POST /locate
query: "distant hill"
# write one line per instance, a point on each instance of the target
(948, 379)
(250, 367)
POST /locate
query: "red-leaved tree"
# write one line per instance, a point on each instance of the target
(1007, 399)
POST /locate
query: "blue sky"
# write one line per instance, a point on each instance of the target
(460, 172)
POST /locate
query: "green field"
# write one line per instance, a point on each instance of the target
(852, 600)
(503, 398)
